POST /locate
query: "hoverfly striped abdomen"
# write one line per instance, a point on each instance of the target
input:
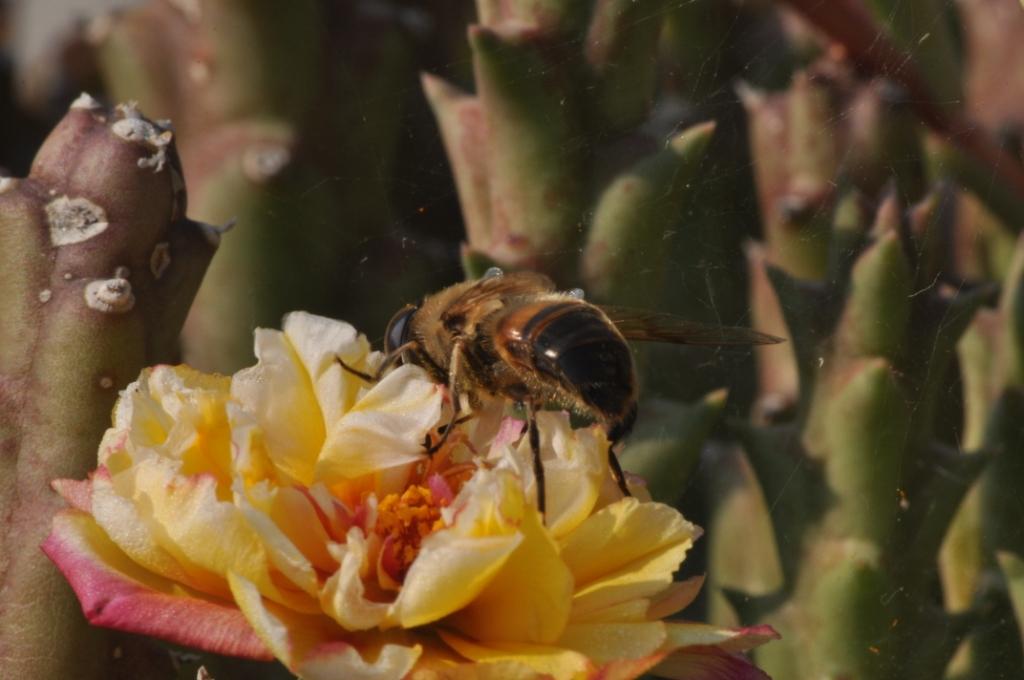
(573, 345)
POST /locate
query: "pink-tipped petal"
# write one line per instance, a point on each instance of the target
(116, 593)
(750, 637)
(682, 634)
(708, 663)
(510, 431)
(440, 489)
(76, 492)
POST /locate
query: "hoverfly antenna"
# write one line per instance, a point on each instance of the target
(397, 333)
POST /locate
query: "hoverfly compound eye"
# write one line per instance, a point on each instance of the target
(494, 273)
(397, 333)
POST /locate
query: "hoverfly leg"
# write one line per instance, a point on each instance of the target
(538, 465)
(617, 474)
(454, 368)
(365, 377)
(427, 442)
(388, 362)
(458, 421)
(617, 431)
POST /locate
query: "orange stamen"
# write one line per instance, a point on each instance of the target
(402, 524)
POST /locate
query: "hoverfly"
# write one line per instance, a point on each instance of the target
(516, 336)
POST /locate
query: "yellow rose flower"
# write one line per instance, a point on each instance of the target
(291, 511)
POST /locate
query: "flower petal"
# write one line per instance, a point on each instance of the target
(675, 598)
(289, 635)
(172, 387)
(439, 662)
(340, 660)
(319, 342)
(314, 646)
(606, 642)
(622, 533)
(296, 514)
(201, 435)
(628, 669)
(172, 409)
(117, 593)
(278, 391)
(444, 670)
(343, 596)
(384, 429)
(730, 639)
(628, 611)
(188, 520)
(708, 663)
(448, 574)
(132, 532)
(575, 465)
(77, 493)
(250, 460)
(529, 599)
(455, 564)
(509, 431)
(281, 552)
(149, 407)
(624, 551)
(560, 664)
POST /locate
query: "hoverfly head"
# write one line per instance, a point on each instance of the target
(398, 331)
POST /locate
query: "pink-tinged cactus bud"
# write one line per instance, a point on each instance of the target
(535, 176)
(463, 130)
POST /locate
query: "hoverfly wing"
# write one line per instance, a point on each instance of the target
(645, 325)
(512, 284)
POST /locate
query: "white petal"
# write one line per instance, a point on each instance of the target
(575, 466)
(278, 392)
(281, 552)
(384, 429)
(319, 343)
(343, 596)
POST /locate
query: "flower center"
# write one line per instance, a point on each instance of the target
(402, 524)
